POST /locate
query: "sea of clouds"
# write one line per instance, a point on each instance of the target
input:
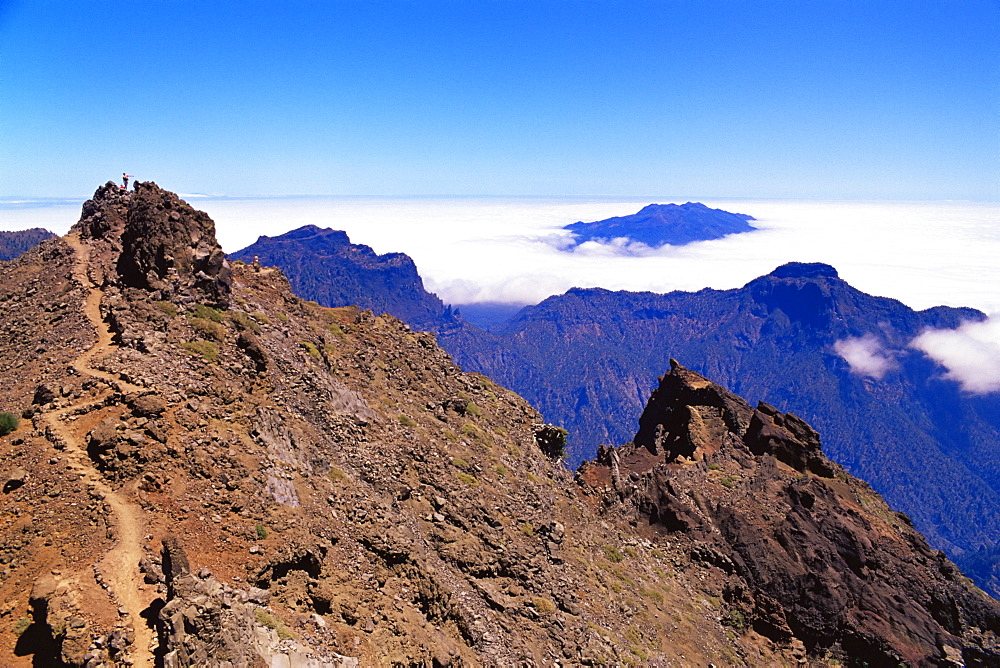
(513, 250)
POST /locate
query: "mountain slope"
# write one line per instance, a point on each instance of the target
(324, 266)
(14, 244)
(210, 469)
(800, 549)
(586, 359)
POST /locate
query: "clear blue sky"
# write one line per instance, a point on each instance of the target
(802, 99)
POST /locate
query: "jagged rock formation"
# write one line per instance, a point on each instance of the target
(802, 552)
(15, 244)
(587, 360)
(279, 482)
(658, 224)
(324, 266)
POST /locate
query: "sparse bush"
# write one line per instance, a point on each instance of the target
(406, 420)
(728, 482)
(472, 431)
(243, 322)
(206, 312)
(168, 308)
(460, 463)
(735, 619)
(264, 618)
(336, 475)
(500, 470)
(528, 529)
(613, 554)
(551, 440)
(543, 605)
(261, 531)
(207, 350)
(8, 423)
(208, 329)
(469, 480)
(473, 409)
(261, 318)
(311, 349)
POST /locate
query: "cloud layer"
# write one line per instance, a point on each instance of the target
(970, 353)
(511, 251)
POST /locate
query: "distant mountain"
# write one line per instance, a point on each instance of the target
(14, 244)
(659, 224)
(324, 266)
(588, 358)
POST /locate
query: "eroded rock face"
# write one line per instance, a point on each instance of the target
(806, 552)
(164, 244)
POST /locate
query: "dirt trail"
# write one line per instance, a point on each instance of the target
(119, 568)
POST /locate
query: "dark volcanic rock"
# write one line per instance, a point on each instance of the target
(805, 550)
(659, 224)
(14, 244)
(164, 244)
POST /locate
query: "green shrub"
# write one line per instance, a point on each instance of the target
(208, 329)
(206, 312)
(406, 420)
(261, 531)
(310, 348)
(261, 318)
(207, 350)
(613, 554)
(528, 529)
(243, 322)
(264, 618)
(728, 482)
(336, 475)
(8, 423)
(543, 605)
(460, 463)
(469, 480)
(551, 440)
(500, 470)
(473, 409)
(735, 619)
(167, 308)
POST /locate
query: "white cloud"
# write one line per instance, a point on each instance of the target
(865, 355)
(508, 250)
(970, 353)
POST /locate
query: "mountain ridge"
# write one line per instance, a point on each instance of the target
(324, 487)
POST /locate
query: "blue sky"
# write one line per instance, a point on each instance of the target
(759, 99)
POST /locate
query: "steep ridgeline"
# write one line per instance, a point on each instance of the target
(586, 360)
(324, 266)
(15, 244)
(209, 470)
(659, 224)
(801, 551)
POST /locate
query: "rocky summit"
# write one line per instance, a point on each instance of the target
(209, 471)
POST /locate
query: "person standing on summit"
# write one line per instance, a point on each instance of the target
(125, 178)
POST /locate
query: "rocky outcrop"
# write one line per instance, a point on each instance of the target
(204, 622)
(163, 244)
(802, 551)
